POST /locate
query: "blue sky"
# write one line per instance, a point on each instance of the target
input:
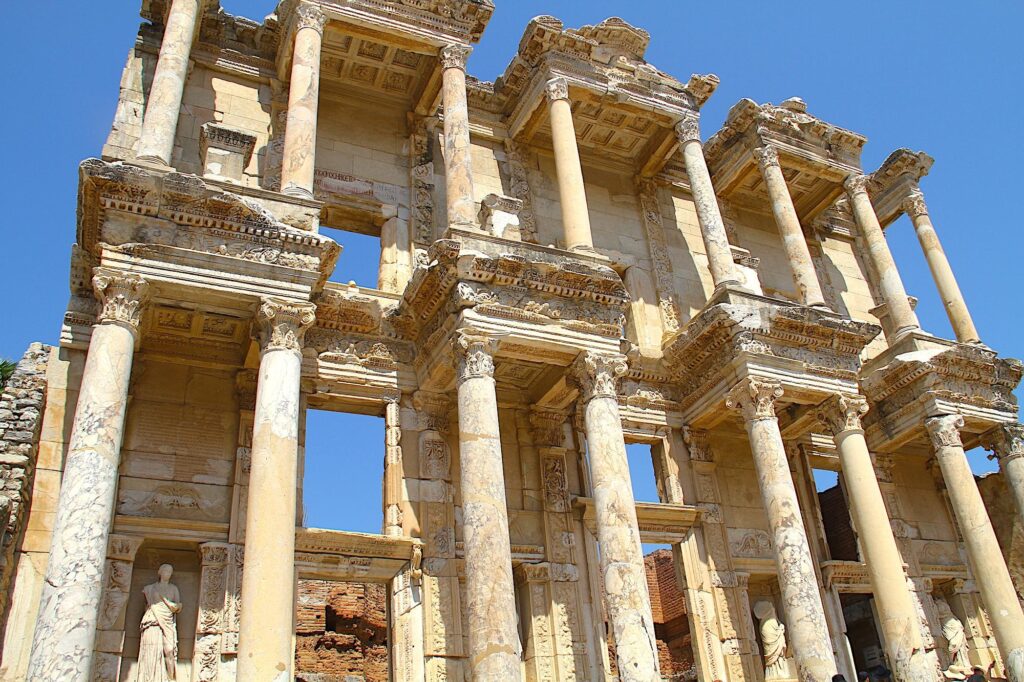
(939, 76)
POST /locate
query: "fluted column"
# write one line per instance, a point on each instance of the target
(806, 626)
(299, 156)
(798, 255)
(987, 564)
(571, 193)
(898, 618)
(942, 273)
(156, 141)
(494, 647)
(458, 162)
(622, 562)
(712, 229)
(1007, 445)
(65, 633)
(890, 284)
(268, 581)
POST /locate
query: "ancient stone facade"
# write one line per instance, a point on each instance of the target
(566, 267)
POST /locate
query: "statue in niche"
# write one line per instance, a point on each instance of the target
(773, 641)
(953, 631)
(158, 644)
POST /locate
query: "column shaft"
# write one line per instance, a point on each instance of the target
(804, 612)
(571, 193)
(494, 647)
(712, 229)
(793, 241)
(622, 563)
(65, 632)
(458, 162)
(898, 618)
(990, 572)
(163, 106)
(299, 156)
(942, 273)
(266, 625)
(890, 284)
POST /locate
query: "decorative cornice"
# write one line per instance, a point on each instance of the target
(914, 205)
(308, 15)
(474, 354)
(688, 130)
(121, 296)
(856, 184)
(282, 324)
(766, 156)
(557, 88)
(841, 413)
(597, 374)
(455, 56)
(1006, 442)
(754, 398)
(944, 431)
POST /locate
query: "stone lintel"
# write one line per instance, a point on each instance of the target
(659, 523)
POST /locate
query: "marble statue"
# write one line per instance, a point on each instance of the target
(158, 646)
(953, 631)
(773, 641)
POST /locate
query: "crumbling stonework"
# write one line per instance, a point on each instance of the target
(341, 632)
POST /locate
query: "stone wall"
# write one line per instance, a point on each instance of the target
(21, 410)
(341, 632)
(1006, 522)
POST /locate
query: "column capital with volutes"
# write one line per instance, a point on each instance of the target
(557, 88)
(856, 184)
(842, 413)
(455, 56)
(766, 156)
(1006, 442)
(122, 297)
(308, 15)
(914, 205)
(474, 354)
(754, 398)
(597, 374)
(944, 431)
(282, 324)
(688, 129)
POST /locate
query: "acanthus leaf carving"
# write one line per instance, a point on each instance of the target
(842, 413)
(121, 296)
(755, 398)
(282, 324)
(474, 353)
(597, 374)
(944, 430)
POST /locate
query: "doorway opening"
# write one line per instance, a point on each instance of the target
(862, 630)
(835, 516)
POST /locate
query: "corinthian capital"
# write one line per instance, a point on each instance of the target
(842, 413)
(1006, 442)
(557, 88)
(914, 205)
(598, 374)
(856, 184)
(754, 398)
(121, 296)
(455, 56)
(474, 354)
(945, 430)
(281, 324)
(766, 156)
(308, 15)
(688, 130)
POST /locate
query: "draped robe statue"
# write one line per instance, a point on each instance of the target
(773, 641)
(956, 637)
(158, 645)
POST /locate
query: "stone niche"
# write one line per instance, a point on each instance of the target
(185, 560)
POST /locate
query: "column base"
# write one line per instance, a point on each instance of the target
(153, 161)
(297, 192)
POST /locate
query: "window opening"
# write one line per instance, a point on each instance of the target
(835, 516)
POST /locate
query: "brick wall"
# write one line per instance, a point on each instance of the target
(835, 516)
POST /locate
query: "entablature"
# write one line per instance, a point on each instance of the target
(896, 181)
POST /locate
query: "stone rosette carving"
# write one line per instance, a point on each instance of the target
(944, 431)
(754, 398)
(455, 56)
(556, 89)
(1006, 442)
(282, 324)
(474, 354)
(121, 296)
(597, 375)
(842, 413)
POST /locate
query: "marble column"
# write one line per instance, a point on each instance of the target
(622, 562)
(712, 228)
(65, 632)
(268, 581)
(163, 106)
(942, 273)
(458, 161)
(571, 193)
(897, 615)
(806, 627)
(494, 646)
(987, 564)
(889, 282)
(798, 254)
(1006, 442)
(299, 156)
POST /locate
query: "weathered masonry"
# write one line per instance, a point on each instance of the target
(565, 269)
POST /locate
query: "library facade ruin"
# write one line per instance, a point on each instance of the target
(566, 267)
